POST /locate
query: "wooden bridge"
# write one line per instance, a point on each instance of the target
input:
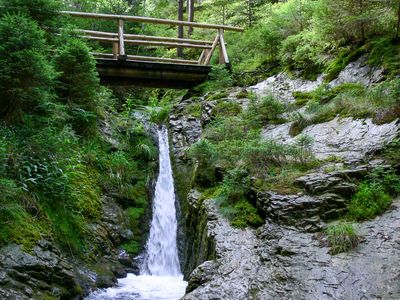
(121, 68)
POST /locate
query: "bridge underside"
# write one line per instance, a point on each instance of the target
(150, 74)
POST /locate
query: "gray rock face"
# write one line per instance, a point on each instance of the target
(359, 72)
(304, 212)
(346, 138)
(300, 268)
(44, 272)
(186, 130)
(281, 263)
(236, 265)
(282, 87)
(286, 258)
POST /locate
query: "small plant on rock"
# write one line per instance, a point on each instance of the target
(341, 237)
(370, 200)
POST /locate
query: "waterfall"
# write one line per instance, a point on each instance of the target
(161, 276)
(161, 258)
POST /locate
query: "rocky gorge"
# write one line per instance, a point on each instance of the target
(288, 256)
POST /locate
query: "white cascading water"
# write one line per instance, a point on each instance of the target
(161, 257)
(160, 278)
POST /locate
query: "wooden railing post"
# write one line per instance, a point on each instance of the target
(223, 53)
(115, 50)
(121, 42)
(209, 54)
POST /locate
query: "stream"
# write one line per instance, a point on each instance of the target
(160, 275)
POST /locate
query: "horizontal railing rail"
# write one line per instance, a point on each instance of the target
(120, 39)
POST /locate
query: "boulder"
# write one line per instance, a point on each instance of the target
(345, 138)
(359, 72)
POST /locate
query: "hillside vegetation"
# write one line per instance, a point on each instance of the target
(67, 144)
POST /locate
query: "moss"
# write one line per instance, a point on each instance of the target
(193, 109)
(133, 247)
(391, 152)
(385, 52)
(341, 61)
(85, 192)
(17, 225)
(301, 98)
(242, 214)
(226, 109)
(242, 94)
(217, 95)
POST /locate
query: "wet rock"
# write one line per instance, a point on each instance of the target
(185, 131)
(125, 259)
(291, 210)
(201, 274)
(229, 276)
(359, 72)
(277, 262)
(346, 138)
(42, 271)
(193, 198)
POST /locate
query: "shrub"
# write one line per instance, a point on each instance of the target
(224, 109)
(265, 110)
(26, 76)
(387, 178)
(392, 151)
(133, 247)
(205, 154)
(342, 237)
(42, 11)
(193, 110)
(219, 78)
(370, 200)
(78, 84)
(230, 128)
(244, 214)
(233, 199)
(303, 51)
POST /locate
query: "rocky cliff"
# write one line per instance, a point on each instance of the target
(288, 257)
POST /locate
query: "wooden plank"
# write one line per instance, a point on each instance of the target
(223, 54)
(162, 59)
(166, 44)
(99, 33)
(214, 45)
(149, 20)
(99, 38)
(149, 58)
(121, 45)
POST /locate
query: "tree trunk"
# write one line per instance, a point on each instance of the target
(362, 21)
(398, 22)
(180, 28)
(249, 13)
(190, 15)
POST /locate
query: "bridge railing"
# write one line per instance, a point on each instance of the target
(120, 39)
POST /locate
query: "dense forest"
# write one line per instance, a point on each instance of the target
(68, 143)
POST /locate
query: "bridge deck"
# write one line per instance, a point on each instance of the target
(151, 74)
